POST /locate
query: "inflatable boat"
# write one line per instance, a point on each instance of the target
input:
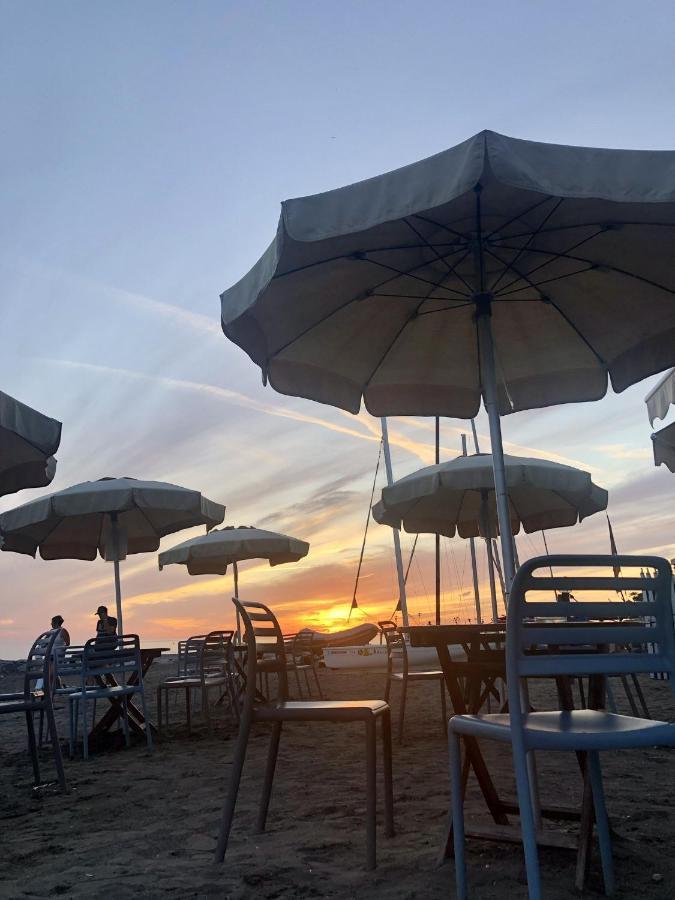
(348, 637)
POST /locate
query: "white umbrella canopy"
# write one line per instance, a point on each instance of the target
(448, 498)
(523, 273)
(211, 554)
(663, 443)
(28, 440)
(111, 517)
(661, 397)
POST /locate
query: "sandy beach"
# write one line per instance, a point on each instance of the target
(144, 825)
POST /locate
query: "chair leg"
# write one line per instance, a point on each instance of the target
(41, 727)
(56, 749)
(371, 794)
(457, 810)
(159, 710)
(318, 683)
(148, 726)
(73, 727)
(444, 709)
(297, 679)
(32, 746)
(272, 753)
(601, 821)
(233, 788)
(309, 689)
(205, 709)
(401, 713)
(388, 780)
(641, 696)
(187, 710)
(527, 823)
(85, 732)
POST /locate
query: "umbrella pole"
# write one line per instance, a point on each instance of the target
(488, 548)
(395, 531)
(116, 566)
(489, 386)
(235, 573)
(472, 546)
(438, 537)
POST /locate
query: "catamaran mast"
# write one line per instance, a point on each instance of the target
(397, 537)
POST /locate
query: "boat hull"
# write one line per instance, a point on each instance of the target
(374, 656)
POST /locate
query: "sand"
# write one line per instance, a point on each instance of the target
(144, 825)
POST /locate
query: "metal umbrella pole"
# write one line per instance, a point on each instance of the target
(397, 537)
(485, 523)
(472, 546)
(114, 529)
(235, 573)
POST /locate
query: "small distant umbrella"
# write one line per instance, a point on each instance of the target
(211, 554)
(663, 444)
(111, 517)
(658, 401)
(28, 440)
(458, 497)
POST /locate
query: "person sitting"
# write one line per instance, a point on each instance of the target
(63, 639)
(106, 628)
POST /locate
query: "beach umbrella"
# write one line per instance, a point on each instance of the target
(522, 273)
(663, 444)
(211, 554)
(458, 497)
(28, 440)
(111, 517)
(658, 401)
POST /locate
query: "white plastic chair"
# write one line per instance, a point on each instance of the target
(586, 730)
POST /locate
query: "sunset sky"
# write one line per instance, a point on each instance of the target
(145, 151)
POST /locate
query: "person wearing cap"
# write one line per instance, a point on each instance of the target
(106, 625)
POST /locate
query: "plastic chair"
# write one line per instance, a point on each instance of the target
(207, 662)
(397, 650)
(104, 661)
(585, 731)
(302, 659)
(39, 669)
(263, 635)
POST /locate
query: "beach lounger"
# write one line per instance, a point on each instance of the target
(39, 669)
(263, 635)
(529, 634)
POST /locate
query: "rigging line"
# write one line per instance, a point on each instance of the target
(410, 559)
(555, 306)
(556, 255)
(600, 265)
(505, 293)
(619, 224)
(493, 287)
(365, 533)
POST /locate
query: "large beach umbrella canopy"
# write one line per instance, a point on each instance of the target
(458, 497)
(211, 554)
(522, 273)
(28, 440)
(111, 517)
(658, 401)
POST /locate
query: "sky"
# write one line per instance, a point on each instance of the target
(145, 150)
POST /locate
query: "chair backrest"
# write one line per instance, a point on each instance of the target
(192, 655)
(562, 637)
(397, 648)
(40, 665)
(181, 657)
(69, 663)
(264, 645)
(116, 656)
(215, 653)
(302, 646)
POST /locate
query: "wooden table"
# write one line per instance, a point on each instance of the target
(137, 720)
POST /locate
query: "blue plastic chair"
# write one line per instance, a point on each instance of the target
(567, 642)
(106, 663)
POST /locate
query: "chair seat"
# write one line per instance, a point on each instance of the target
(321, 710)
(582, 729)
(428, 675)
(117, 691)
(188, 681)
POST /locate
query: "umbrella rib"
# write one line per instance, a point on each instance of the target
(520, 215)
(572, 227)
(503, 294)
(422, 238)
(390, 346)
(534, 234)
(548, 300)
(330, 259)
(430, 312)
(400, 273)
(596, 265)
(554, 255)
